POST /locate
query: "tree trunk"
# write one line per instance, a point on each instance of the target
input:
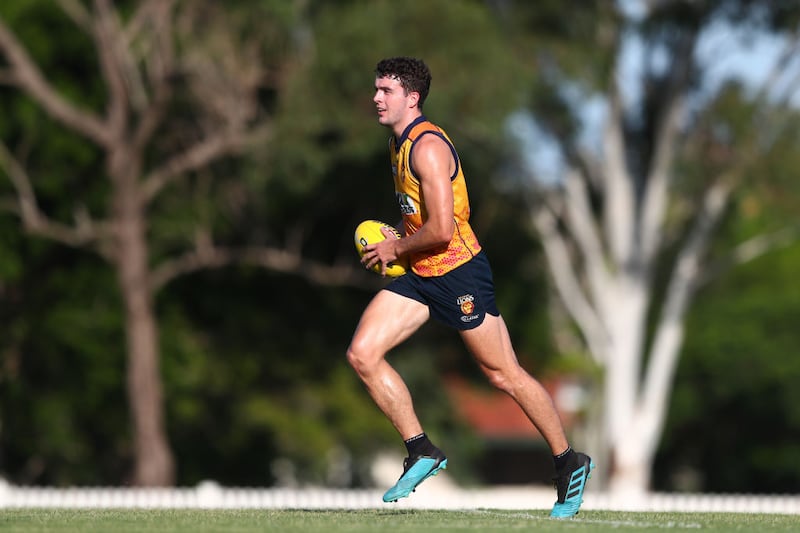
(630, 473)
(153, 459)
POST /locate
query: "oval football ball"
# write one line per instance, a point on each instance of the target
(369, 232)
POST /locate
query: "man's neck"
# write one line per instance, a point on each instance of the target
(400, 127)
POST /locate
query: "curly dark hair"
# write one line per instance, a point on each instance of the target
(412, 73)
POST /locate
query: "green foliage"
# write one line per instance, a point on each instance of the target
(56, 159)
(66, 57)
(328, 112)
(256, 371)
(735, 385)
(63, 371)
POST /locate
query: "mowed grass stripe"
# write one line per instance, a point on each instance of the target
(382, 521)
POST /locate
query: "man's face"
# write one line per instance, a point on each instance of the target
(392, 101)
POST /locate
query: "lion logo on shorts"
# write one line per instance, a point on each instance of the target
(467, 303)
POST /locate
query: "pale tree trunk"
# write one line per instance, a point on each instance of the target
(613, 321)
(636, 449)
(603, 268)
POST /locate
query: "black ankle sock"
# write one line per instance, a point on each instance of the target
(562, 460)
(419, 445)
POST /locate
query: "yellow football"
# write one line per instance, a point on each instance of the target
(369, 232)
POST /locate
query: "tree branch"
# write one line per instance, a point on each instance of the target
(122, 41)
(779, 70)
(670, 329)
(85, 230)
(160, 65)
(749, 250)
(78, 13)
(582, 227)
(26, 204)
(273, 259)
(25, 74)
(202, 153)
(618, 185)
(566, 282)
(655, 201)
(108, 38)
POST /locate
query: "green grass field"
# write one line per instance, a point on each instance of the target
(385, 521)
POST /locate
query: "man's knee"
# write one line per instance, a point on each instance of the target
(498, 380)
(508, 380)
(362, 358)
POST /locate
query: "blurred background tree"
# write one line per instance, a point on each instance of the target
(210, 137)
(648, 146)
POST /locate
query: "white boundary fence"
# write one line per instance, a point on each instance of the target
(209, 495)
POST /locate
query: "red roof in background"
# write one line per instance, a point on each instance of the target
(494, 414)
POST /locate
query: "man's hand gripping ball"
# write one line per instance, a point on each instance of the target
(369, 232)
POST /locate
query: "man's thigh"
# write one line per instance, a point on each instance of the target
(388, 320)
(490, 344)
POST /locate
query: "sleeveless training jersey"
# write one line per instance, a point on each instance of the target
(464, 244)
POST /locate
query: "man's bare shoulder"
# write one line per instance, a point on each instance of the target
(432, 155)
(431, 145)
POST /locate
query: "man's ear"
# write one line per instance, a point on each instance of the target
(414, 95)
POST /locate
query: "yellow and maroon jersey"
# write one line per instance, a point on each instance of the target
(464, 244)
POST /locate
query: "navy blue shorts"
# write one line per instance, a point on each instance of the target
(459, 299)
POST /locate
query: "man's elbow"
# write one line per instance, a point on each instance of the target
(444, 233)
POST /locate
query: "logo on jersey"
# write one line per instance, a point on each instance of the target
(407, 206)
